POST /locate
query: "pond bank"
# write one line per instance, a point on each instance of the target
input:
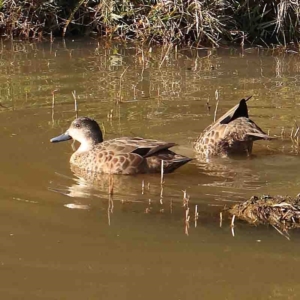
(193, 22)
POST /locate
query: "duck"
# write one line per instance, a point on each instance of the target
(232, 134)
(124, 155)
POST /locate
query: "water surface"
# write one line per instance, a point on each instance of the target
(65, 238)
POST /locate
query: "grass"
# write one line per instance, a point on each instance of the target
(182, 22)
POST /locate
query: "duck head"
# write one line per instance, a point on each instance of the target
(84, 130)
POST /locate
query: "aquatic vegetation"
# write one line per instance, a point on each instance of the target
(282, 212)
(192, 22)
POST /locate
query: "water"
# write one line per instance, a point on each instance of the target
(63, 237)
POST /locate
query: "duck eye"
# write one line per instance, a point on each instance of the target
(77, 125)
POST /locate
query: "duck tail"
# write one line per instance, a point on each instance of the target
(260, 136)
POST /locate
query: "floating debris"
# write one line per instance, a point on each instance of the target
(282, 212)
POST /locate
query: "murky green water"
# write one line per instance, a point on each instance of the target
(64, 238)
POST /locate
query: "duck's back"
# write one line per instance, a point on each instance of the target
(234, 138)
(128, 155)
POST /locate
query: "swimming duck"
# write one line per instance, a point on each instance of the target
(125, 155)
(232, 134)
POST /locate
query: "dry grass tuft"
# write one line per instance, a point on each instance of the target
(189, 22)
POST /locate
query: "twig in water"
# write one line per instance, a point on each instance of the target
(280, 232)
(165, 55)
(196, 215)
(148, 209)
(221, 219)
(187, 221)
(292, 131)
(75, 103)
(232, 221)
(110, 208)
(217, 104)
(161, 194)
(111, 185)
(162, 172)
(297, 130)
(76, 113)
(282, 133)
(243, 42)
(53, 98)
(53, 105)
(120, 87)
(232, 231)
(110, 115)
(161, 181)
(232, 225)
(51, 37)
(143, 187)
(186, 199)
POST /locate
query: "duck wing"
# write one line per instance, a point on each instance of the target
(138, 155)
(135, 145)
(244, 129)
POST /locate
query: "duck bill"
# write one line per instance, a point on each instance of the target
(61, 138)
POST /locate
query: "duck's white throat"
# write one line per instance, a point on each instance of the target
(85, 147)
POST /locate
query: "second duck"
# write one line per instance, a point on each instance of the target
(232, 134)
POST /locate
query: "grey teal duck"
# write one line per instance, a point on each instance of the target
(125, 155)
(232, 134)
